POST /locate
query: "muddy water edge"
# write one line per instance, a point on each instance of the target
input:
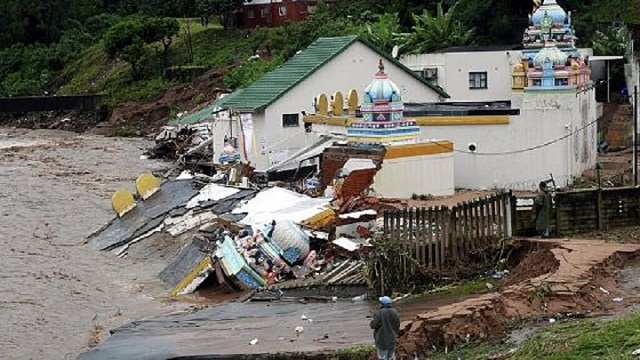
(57, 296)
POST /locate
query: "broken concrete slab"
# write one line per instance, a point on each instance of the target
(146, 216)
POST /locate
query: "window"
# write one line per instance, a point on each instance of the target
(290, 120)
(562, 82)
(251, 14)
(430, 74)
(264, 11)
(478, 80)
(282, 10)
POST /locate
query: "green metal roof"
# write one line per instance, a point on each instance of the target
(276, 83)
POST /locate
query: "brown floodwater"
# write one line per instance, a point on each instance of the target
(57, 296)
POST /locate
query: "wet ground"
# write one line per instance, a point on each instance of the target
(57, 296)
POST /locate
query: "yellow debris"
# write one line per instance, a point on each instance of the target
(147, 185)
(122, 202)
(320, 220)
(193, 278)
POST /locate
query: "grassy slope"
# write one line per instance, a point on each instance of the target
(94, 72)
(577, 340)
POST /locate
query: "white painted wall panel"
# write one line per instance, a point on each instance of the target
(421, 175)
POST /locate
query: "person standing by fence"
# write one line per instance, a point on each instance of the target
(543, 211)
(386, 326)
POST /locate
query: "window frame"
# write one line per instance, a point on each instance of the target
(473, 81)
(290, 124)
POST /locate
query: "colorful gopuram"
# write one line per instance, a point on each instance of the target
(550, 60)
(382, 109)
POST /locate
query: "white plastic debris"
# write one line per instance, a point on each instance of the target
(489, 286)
(636, 352)
(299, 330)
(144, 157)
(334, 299)
(304, 317)
(253, 342)
(604, 290)
(552, 320)
(360, 298)
(618, 299)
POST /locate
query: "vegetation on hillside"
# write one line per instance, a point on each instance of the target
(122, 47)
(583, 339)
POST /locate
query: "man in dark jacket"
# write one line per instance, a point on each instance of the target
(386, 326)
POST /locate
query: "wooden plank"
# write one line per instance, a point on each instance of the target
(422, 235)
(412, 242)
(505, 217)
(444, 244)
(430, 236)
(438, 242)
(453, 243)
(467, 230)
(494, 219)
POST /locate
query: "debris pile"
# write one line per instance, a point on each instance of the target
(241, 238)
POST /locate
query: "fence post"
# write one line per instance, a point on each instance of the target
(453, 233)
(430, 236)
(600, 210)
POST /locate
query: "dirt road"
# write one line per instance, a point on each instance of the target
(56, 295)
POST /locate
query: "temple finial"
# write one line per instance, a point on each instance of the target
(381, 67)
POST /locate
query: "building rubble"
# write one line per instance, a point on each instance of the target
(241, 236)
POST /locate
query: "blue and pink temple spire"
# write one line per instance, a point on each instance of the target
(382, 111)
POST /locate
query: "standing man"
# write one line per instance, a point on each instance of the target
(386, 326)
(543, 208)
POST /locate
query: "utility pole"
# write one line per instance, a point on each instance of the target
(635, 136)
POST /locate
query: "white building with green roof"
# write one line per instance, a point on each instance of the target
(266, 117)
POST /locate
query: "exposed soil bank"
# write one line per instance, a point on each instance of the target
(562, 276)
(57, 296)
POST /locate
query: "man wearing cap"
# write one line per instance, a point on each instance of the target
(386, 326)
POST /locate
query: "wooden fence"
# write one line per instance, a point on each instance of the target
(417, 242)
(583, 210)
(438, 236)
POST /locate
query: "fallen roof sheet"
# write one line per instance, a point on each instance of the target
(146, 216)
(280, 204)
(210, 192)
(187, 259)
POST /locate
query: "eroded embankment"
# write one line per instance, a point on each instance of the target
(557, 277)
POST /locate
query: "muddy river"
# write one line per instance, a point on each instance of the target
(58, 296)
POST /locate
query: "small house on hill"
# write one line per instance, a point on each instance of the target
(264, 120)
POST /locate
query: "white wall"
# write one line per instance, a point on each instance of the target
(354, 68)
(544, 117)
(454, 69)
(421, 175)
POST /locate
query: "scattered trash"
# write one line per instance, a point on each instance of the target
(303, 317)
(360, 298)
(299, 330)
(253, 342)
(636, 352)
(489, 286)
(618, 299)
(604, 290)
(552, 320)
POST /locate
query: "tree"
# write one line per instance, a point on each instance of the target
(127, 40)
(225, 9)
(161, 30)
(384, 32)
(435, 32)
